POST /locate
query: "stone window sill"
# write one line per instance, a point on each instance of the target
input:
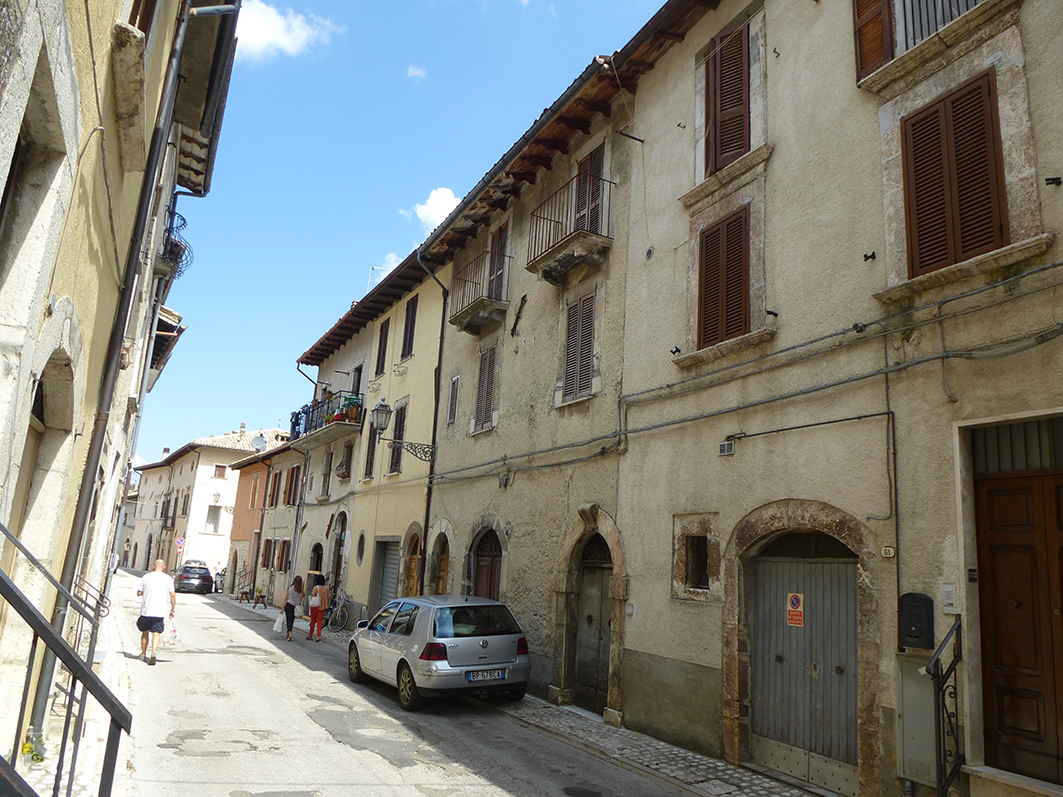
(695, 594)
(571, 402)
(728, 347)
(998, 258)
(934, 52)
(718, 185)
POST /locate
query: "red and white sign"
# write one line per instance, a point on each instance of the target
(795, 609)
(180, 542)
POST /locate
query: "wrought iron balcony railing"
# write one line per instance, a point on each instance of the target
(920, 19)
(483, 278)
(340, 407)
(580, 205)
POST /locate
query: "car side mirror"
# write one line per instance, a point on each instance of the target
(363, 624)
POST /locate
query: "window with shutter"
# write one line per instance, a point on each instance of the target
(727, 101)
(399, 434)
(408, 328)
(485, 391)
(382, 347)
(873, 35)
(724, 280)
(579, 349)
(589, 191)
(496, 276)
(370, 453)
(452, 403)
(955, 202)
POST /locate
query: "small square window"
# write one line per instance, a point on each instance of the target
(219, 471)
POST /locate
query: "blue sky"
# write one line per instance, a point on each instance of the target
(351, 129)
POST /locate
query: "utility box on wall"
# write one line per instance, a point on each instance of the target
(916, 621)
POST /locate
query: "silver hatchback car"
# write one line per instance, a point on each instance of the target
(441, 645)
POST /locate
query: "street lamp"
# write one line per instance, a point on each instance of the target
(381, 417)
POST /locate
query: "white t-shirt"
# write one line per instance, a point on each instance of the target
(155, 588)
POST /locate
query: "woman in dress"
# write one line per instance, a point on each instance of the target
(295, 600)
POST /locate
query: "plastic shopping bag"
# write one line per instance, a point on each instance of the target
(278, 625)
(170, 638)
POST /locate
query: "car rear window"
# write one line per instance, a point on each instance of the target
(454, 622)
(196, 571)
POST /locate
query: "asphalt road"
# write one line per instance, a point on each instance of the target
(236, 710)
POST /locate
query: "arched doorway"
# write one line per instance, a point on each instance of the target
(317, 555)
(412, 564)
(487, 572)
(593, 626)
(442, 564)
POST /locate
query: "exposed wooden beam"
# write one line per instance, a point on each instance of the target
(572, 123)
(478, 219)
(538, 160)
(553, 144)
(597, 106)
(500, 204)
(640, 67)
(670, 35)
(513, 191)
(524, 177)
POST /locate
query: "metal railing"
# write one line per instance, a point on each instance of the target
(483, 278)
(342, 406)
(581, 204)
(948, 745)
(920, 19)
(90, 605)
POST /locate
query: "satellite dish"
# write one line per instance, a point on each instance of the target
(258, 442)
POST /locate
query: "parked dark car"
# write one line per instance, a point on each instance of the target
(192, 578)
(440, 646)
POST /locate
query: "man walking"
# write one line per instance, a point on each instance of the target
(156, 595)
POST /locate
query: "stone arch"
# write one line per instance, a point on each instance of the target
(591, 520)
(488, 522)
(412, 549)
(438, 569)
(751, 534)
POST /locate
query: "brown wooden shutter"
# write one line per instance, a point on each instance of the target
(400, 434)
(496, 276)
(727, 105)
(408, 329)
(382, 347)
(568, 391)
(873, 34)
(586, 346)
(485, 391)
(589, 191)
(955, 202)
(370, 453)
(724, 280)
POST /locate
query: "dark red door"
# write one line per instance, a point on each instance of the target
(487, 580)
(1020, 543)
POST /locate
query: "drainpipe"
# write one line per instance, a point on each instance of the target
(435, 424)
(113, 358)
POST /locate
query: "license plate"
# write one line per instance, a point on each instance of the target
(485, 675)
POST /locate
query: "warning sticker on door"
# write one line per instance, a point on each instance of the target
(795, 609)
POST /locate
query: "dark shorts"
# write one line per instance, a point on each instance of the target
(154, 624)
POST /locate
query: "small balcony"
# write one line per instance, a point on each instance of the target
(569, 232)
(478, 295)
(918, 20)
(324, 420)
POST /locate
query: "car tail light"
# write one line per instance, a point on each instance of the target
(434, 651)
(522, 646)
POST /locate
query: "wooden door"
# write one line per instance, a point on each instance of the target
(1019, 560)
(594, 626)
(487, 580)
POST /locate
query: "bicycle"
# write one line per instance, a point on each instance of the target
(336, 615)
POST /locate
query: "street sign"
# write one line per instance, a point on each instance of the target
(795, 609)
(180, 542)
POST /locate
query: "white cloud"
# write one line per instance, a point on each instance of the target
(138, 461)
(415, 71)
(440, 202)
(406, 214)
(379, 272)
(265, 32)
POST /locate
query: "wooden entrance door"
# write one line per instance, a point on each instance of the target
(1020, 555)
(594, 627)
(488, 577)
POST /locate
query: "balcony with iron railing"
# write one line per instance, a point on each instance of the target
(324, 420)
(478, 294)
(568, 234)
(918, 20)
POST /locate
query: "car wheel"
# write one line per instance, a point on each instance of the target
(515, 694)
(354, 665)
(409, 698)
